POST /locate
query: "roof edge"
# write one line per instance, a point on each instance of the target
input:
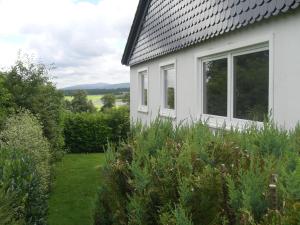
(135, 30)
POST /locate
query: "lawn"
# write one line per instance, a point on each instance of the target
(73, 196)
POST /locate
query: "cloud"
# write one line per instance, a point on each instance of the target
(84, 39)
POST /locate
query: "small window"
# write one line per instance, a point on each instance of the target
(143, 91)
(215, 87)
(169, 79)
(251, 86)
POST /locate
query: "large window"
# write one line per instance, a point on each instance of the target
(215, 87)
(168, 90)
(143, 87)
(251, 85)
(236, 85)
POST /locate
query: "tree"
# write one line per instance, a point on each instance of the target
(6, 104)
(126, 98)
(80, 103)
(109, 101)
(30, 88)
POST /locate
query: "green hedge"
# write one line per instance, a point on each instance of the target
(191, 175)
(90, 132)
(23, 201)
(24, 171)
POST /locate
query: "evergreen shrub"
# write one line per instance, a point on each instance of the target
(187, 175)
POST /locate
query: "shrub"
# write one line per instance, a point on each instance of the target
(190, 175)
(22, 196)
(24, 132)
(90, 132)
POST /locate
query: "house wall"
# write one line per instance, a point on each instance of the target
(284, 36)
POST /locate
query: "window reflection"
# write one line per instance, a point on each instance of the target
(144, 89)
(215, 87)
(169, 95)
(251, 83)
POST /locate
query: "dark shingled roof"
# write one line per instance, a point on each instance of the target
(165, 26)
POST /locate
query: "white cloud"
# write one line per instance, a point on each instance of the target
(85, 40)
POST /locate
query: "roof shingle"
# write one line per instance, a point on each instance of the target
(170, 25)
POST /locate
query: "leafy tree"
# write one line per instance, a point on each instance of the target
(80, 103)
(126, 98)
(109, 101)
(6, 104)
(29, 86)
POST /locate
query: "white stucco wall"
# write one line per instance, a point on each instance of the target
(284, 35)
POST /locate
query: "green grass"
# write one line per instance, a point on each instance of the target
(74, 191)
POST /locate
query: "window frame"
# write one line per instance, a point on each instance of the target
(165, 112)
(229, 53)
(141, 72)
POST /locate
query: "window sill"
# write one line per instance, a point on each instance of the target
(143, 109)
(217, 122)
(169, 113)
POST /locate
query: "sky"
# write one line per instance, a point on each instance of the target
(84, 39)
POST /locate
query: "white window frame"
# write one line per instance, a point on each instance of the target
(164, 112)
(229, 52)
(142, 108)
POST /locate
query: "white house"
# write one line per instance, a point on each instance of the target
(227, 61)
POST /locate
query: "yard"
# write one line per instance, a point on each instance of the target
(75, 186)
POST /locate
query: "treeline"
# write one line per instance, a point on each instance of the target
(117, 91)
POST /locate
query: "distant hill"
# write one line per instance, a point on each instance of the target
(97, 86)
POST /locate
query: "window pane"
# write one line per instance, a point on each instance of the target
(169, 79)
(251, 86)
(144, 84)
(215, 87)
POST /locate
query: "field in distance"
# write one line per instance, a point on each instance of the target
(96, 99)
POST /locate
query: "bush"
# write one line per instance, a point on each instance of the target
(90, 132)
(24, 132)
(22, 196)
(24, 171)
(191, 175)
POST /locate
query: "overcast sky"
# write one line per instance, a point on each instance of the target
(84, 39)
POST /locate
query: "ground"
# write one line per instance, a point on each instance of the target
(73, 196)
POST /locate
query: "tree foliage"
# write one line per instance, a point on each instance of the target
(6, 104)
(29, 88)
(80, 103)
(109, 101)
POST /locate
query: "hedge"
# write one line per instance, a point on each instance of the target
(189, 175)
(24, 171)
(91, 132)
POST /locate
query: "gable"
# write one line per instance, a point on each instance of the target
(164, 26)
